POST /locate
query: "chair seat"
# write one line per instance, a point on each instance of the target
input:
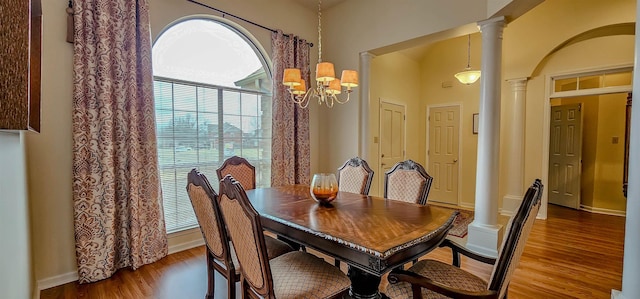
(441, 273)
(275, 248)
(302, 275)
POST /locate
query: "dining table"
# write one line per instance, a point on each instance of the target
(371, 234)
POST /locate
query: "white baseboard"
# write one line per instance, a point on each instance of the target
(615, 294)
(61, 279)
(603, 211)
(468, 205)
(185, 246)
(55, 281)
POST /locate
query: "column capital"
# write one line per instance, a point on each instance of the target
(367, 55)
(493, 21)
(518, 83)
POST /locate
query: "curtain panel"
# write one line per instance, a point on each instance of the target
(119, 219)
(290, 149)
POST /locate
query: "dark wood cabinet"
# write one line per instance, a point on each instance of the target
(20, 64)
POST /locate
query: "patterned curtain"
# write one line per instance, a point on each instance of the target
(290, 157)
(119, 219)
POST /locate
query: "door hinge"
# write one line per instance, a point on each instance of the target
(580, 107)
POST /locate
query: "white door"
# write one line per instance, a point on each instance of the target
(392, 118)
(565, 155)
(444, 125)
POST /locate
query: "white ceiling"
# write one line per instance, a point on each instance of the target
(313, 4)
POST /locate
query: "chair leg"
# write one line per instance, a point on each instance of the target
(211, 279)
(456, 258)
(231, 285)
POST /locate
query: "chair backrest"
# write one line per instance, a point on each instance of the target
(205, 205)
(355, 176)
(407, 181)
(245, 230)
(241, 170)
(513, 244)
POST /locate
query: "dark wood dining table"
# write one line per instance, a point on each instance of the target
(371, 234)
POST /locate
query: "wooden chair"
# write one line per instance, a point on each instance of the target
(220, 255)
(355, 176)
(295, 274)
(407, 181)
(240, 169)
(434, 279)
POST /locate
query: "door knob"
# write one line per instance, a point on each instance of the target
(455, 160)
(382, 164)
(382, 156)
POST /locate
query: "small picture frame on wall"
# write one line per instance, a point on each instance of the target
(475, 123)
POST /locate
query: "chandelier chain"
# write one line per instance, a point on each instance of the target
(469, 51)
(319, 31)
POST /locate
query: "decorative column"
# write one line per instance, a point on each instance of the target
(365, 80)
(485, 234)
(515, 147)
(631, 262)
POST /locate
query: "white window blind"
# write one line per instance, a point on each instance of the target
(212, 89)
(199, 126)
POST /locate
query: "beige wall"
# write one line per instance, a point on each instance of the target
(590, 107)
(536, 33)
(441, 62)
(16, 273)
(395, 78)
(610, 156)
(49, 155)
(350, 28)
(358, 26)
(603, 118)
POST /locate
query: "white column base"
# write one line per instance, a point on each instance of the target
(615, 294)
(510, 204)
(484, 239)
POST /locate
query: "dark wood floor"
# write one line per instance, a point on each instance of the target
(573, 254)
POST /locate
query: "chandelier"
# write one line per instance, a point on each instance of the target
(468, 76)
(328, 87)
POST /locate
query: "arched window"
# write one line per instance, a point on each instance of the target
(213, 101)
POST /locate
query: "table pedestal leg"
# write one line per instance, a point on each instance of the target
(364, 285)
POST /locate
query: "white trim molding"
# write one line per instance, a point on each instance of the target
(603, 211)
(185, 246)
(55, 281)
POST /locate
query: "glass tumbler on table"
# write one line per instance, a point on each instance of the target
(324, 187)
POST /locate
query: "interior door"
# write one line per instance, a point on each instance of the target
(565, 155)
(443, 152)
(392, 147)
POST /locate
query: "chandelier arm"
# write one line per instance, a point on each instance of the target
(302, 101)
(346, 100)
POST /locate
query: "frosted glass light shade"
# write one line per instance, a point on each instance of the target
(325, 72)
(291, 77)
(349, 78)
(468, 76)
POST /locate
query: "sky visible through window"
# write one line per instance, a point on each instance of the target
(203, 51)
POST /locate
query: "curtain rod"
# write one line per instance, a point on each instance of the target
(224, 13)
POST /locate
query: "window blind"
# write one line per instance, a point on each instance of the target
(199, 126)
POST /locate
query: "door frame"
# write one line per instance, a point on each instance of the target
(546, 124)
(426, 152)
(404, 138)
